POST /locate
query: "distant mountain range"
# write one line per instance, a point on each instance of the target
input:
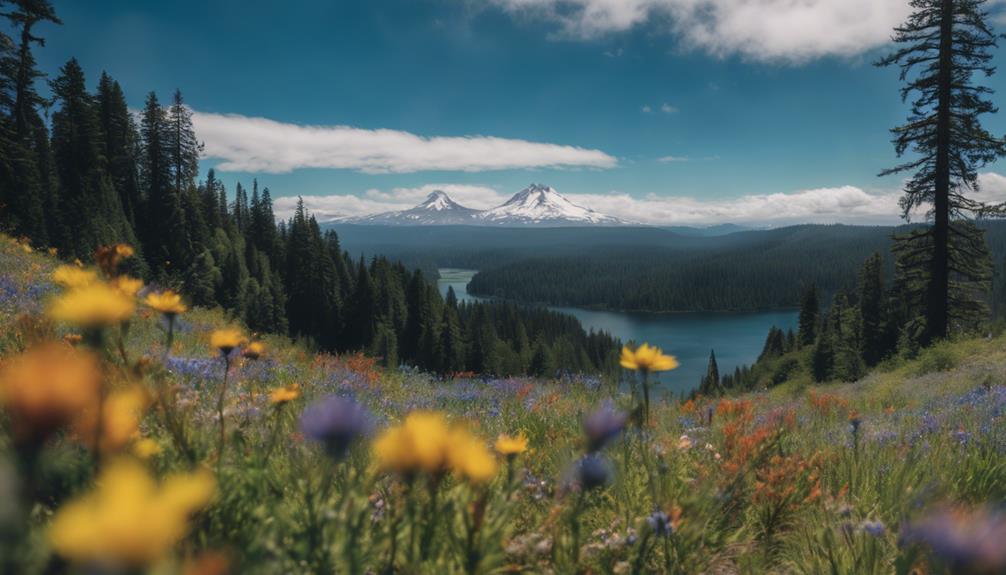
(535, 205)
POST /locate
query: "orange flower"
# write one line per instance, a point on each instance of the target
(46, 386)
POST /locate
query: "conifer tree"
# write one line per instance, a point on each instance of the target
(809, 310)
(944, 44)
(711, 381)
(27, 193)
(119, 137)
(871, 310)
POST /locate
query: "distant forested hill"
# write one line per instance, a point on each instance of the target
(742, 271)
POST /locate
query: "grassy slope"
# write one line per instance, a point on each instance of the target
(776, 482)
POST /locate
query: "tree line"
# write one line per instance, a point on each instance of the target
(96, 175)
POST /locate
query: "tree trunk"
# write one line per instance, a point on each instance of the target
(939, 281)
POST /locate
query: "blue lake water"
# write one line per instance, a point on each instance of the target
(736, 337)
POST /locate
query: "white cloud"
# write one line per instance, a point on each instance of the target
(647, 109)
(844, 204)
(768, 30)
(261, 145)
(668, 109)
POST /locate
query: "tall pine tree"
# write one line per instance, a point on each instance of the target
(944, 44)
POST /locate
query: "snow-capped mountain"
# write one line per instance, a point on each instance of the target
(536, 205)
(437, 209)
(542, 205)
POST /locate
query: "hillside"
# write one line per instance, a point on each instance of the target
(838, 478)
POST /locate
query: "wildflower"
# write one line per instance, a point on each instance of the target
(875, 528)
(167, 302)
(119, 423)
(967, 541)
(284, 395)
(336, 423)
(72, 338)
(127, 285)
(603, 425)
(109, 257)
(469, 457)
(226, 340)
(659, 523)
(419, 444)
(92, 306)
(73, 276)
(592, 472)
(253, 350)
(510, 446)
(128, 520)
(45, 387)
(146, 448)
(647, 359)
(685, 443)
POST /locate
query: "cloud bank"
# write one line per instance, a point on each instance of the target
(247, 144)
(843, 204)
(767, 30)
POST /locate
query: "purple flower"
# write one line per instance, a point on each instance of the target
(874, 528)
(592, 472)
(968, 542)
(335, 422)
(603, 425)
(659, 523)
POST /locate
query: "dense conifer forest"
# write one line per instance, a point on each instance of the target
(95, 174)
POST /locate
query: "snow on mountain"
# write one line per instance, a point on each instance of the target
(536, 205)
(437, 209)
(542, 205)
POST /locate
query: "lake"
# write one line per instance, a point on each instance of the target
(737, 337)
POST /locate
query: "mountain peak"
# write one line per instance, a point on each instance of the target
(439, 200)
(542, 204)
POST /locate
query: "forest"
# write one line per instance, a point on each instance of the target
(79, 171)
(753, 270)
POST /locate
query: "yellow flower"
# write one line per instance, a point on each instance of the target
(284, 394)
(73, 276)
(506, 445)
(469, 457)
(254, 350)
(127, 285)
(53, 251)
(226, 339)
(146, 448)
(120, 420)
(419, 444)
(647, 359)
(167, 302)
(424, 442)
(45, 387)
(93, 305)
(128, 520)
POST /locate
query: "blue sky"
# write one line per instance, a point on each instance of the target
(676, 111)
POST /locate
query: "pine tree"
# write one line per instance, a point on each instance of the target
(183, 147)
(871, 310)
(163, 224)
(944, 43)
(809, 310)
(27, 192)
(120, 139)
(711, 381)
(91, 206)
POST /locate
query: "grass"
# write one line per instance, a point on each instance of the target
(800, 478)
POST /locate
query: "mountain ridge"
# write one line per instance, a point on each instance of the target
(537, 205)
